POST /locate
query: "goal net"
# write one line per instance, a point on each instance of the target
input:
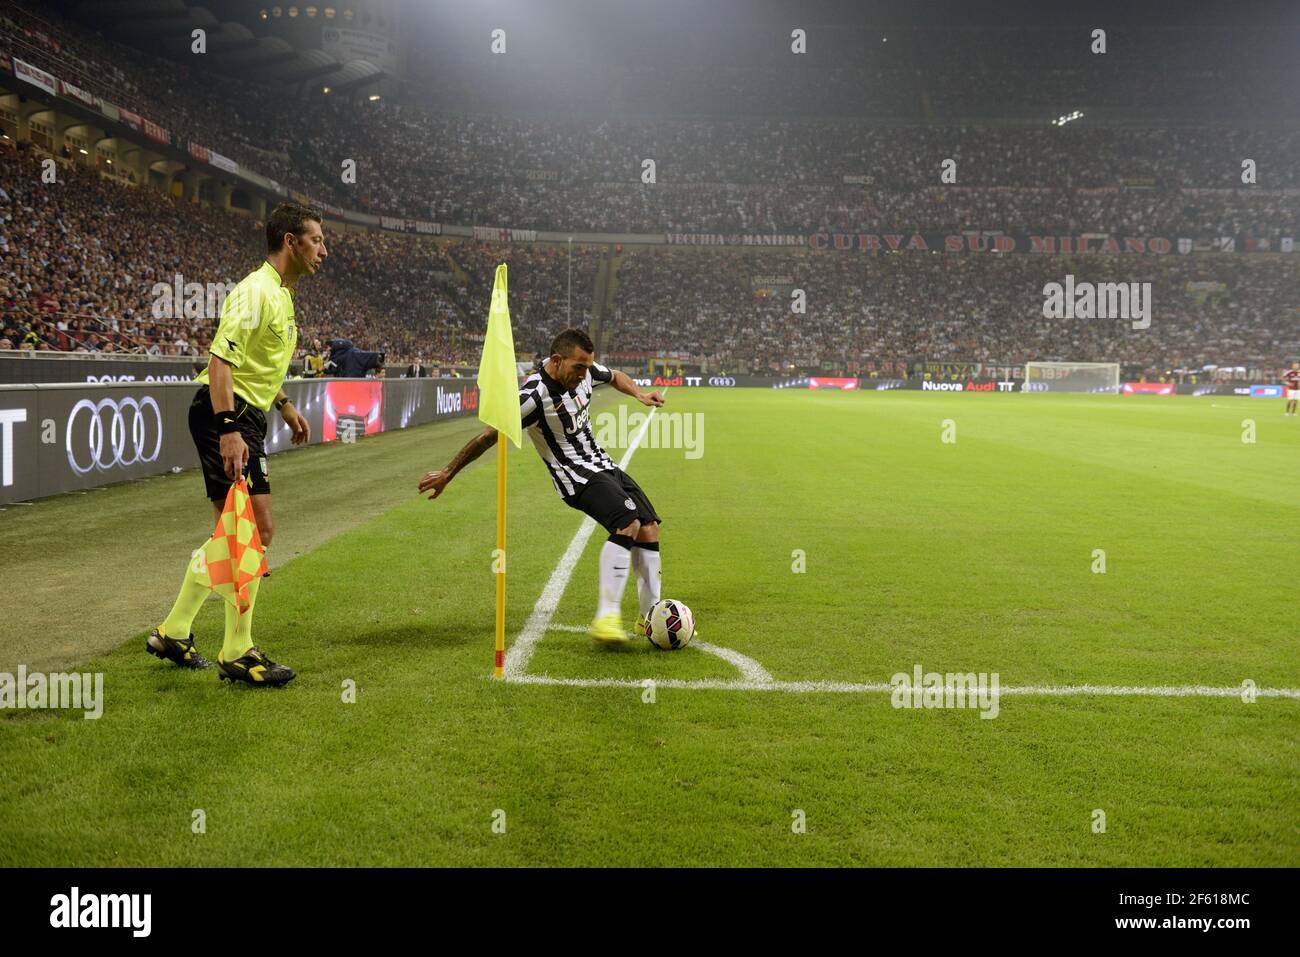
(1071, 377)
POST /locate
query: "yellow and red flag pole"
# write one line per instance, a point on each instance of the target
(500, 563)
(498, 384)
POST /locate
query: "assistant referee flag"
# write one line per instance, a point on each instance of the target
(233, 556)
(498, 379)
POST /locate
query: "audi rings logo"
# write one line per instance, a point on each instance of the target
(721, 380)
(1034, 387)
(118, 432)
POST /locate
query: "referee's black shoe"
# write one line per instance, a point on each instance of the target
(182, 653)
(255, 668)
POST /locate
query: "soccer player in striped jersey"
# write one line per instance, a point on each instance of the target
(1291, 378)
(553, 404)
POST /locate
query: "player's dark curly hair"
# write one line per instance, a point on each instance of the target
(570, 339)
(287, 218)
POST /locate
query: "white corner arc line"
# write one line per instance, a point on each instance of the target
(516, 665)
(750, 670)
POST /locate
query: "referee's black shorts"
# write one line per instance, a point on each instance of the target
(252, 426)
(614, 499)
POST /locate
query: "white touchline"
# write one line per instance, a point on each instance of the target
(846, 687)
(516, 664)
(755, 678)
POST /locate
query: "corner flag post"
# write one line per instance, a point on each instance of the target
(498, 385)
(498, 670)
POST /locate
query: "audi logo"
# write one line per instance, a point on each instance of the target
(1034, 387)
(721, 380)
(118, 433)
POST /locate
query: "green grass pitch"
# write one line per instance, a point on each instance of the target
(968, 556)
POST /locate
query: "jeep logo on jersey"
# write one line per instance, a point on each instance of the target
(580, 423)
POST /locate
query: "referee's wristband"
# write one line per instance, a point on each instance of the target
(226, 422)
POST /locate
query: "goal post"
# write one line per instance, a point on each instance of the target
(1071, 377)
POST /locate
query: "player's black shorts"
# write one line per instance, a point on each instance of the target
(252, 426)
(613, 499)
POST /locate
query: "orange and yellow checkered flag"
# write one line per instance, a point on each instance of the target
(233, 556)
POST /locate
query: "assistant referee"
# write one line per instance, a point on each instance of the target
(250, 356)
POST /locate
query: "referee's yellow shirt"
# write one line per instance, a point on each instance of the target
(256, 336)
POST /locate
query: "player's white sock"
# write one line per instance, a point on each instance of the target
(615, 558)
(645, 562)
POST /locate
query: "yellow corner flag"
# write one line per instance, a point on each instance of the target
(498, 379)
(233, 556)
(498, 406)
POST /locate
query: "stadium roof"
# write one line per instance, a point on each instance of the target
(231, 47)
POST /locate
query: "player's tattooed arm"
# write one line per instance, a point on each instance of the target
(623, 382)
(437, 481)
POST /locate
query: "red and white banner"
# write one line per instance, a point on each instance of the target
(1149, 388)
(832, 382)
(36, 76)
(499, 234)
(77, 93)
(133, 120)
(735, 239)
(399, 225)
(154, 131)
(205, 155)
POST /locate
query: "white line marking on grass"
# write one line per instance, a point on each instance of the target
(521, 651)
(751, 671)
(845, 687)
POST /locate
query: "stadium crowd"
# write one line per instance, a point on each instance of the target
(81, 258)
(735, 307)
(757, 173)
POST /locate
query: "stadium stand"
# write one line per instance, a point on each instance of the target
(82, 257)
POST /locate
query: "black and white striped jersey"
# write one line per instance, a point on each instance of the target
(559, 423)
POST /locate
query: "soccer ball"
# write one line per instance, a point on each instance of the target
(670, 625)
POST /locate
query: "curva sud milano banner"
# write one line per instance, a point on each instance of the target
(67, 437)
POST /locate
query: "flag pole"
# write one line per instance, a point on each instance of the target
(498, 384)
(501, 557)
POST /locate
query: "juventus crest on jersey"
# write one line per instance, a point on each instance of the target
(559, 423)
